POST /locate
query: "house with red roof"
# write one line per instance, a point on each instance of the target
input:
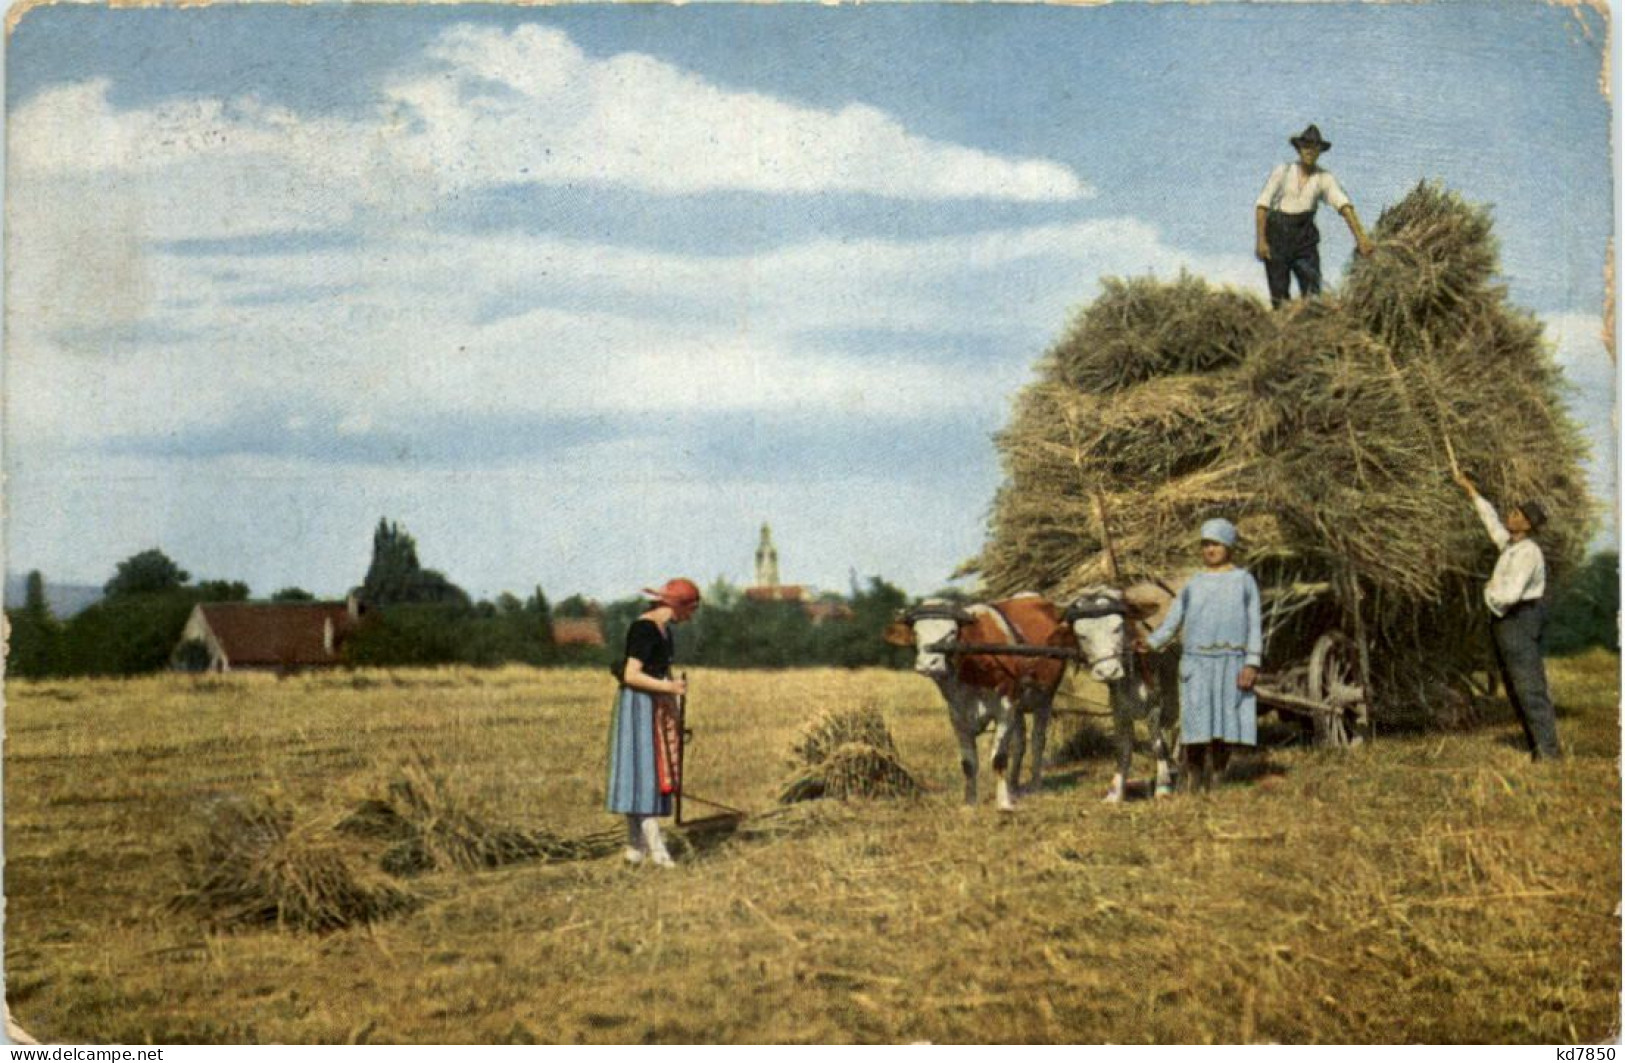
(578, 631)
(269, 636)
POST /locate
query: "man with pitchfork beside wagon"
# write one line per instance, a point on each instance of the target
(1515, 596)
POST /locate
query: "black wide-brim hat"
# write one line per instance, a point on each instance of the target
(1534, 513)
(1310, 138)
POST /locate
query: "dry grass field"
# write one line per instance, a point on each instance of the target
(1427, 887)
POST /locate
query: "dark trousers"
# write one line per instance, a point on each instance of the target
(1517, 637)
(1294, 245)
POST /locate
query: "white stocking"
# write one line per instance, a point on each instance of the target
(654, 843)
(635, 852)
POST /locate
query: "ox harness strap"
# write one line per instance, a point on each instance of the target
(1015, 632)
(1017, 678)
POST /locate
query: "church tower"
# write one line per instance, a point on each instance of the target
(767, 560)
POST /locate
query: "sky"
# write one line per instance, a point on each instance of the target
(583, 295)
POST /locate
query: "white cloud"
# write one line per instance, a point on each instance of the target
(73, 128)
(406, 333)
(530, 106)
(109, 334)
(495, 108)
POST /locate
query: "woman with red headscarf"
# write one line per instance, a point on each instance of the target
(640, 778)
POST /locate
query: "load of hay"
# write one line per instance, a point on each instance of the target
(847, 753)
(427, 827)
(1323, 430)
(251, 865)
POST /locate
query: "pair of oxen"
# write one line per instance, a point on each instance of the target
(985, 688)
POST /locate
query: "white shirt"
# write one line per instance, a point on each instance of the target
(1289, 192)
(1520, 571)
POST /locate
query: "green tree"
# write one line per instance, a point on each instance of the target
(1585, 607)
(395, 577)
(858, 643)
(219, 590)
(35, 636)
(574, 606)
(721, 594)
(148, 572)
(293, 594)
(34, 602)
(540, 614)
(412, 634)
(127, 634)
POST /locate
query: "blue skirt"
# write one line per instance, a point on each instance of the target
(634, 788)
(1211, 708)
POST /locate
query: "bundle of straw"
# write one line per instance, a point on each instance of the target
(251, 865)
(847, 753)
(1325, 431)
(429, 827)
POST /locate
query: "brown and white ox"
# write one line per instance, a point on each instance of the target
(1105, 622)
(985, 689)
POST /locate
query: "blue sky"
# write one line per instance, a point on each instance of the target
(581, 295)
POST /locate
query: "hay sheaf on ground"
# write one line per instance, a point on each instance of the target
(428, 827)
(251, 864)
(1321, 430)
(847, 753)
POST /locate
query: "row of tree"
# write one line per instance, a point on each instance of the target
(452, 632)
(733, 631)
(418, 617)
(1585, 607)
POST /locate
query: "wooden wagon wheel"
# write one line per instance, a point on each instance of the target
(1334, 681)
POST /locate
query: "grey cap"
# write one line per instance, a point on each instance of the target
(1219, 530)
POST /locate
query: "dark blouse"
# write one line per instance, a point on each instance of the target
(645, 642)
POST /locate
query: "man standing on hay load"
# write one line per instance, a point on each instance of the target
(1288, 242)
(1515, 595)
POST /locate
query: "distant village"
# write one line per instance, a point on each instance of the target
(403, 614)
(274, 636)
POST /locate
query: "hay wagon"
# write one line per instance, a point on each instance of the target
(1330, 686)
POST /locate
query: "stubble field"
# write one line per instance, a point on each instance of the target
(1427, 887)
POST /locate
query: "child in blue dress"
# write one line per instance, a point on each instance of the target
(1223, 647)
